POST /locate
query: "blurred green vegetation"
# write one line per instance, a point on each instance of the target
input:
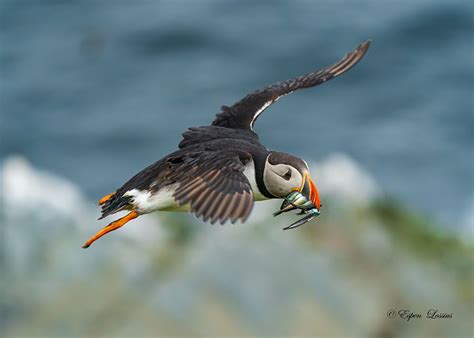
(335, 276)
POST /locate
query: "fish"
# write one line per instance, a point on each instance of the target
(297, 201)
(310, 214)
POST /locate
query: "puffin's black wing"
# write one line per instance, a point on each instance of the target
(242, 115)
(214, 185)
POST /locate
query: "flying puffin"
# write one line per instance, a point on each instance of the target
(221, 169)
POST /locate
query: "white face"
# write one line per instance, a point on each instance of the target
(281, 179)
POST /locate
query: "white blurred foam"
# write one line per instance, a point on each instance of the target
(340, 177)
(25, 188)
(47, 198)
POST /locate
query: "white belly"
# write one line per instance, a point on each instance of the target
(145, 202)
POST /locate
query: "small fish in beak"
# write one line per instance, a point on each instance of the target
(296, 200)
(306, 199)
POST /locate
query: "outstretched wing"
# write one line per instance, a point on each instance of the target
(214, 186)
(242, 115)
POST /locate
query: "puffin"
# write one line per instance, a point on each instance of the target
(221, 169)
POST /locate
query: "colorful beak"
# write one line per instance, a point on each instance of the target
(309, 190)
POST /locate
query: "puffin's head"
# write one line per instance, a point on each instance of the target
(285, 173)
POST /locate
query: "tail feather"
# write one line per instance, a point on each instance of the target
(114, 203)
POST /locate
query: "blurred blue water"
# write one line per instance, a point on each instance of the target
(94, 91)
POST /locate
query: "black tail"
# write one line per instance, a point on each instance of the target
(114, 204)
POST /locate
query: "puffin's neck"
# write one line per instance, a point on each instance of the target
(260, 160)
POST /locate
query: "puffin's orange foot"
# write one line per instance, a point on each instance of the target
(111, 227)
(105, 198)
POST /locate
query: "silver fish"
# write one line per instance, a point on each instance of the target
(311, 213)
(296, 200)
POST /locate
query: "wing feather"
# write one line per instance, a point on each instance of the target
(214, 186)
(243, 114)
(220, 209)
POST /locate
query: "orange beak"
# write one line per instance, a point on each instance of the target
(308, 189)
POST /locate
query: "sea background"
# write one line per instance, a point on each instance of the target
(91, 92)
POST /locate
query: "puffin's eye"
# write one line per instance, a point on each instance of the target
(287, 175)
